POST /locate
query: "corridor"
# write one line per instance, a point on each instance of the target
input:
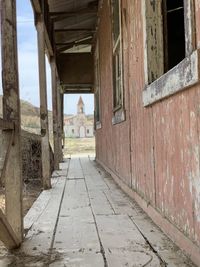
(86, 220)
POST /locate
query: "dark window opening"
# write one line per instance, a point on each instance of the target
(174, 32)
(73, 131)
(88, 131)
(117, 56)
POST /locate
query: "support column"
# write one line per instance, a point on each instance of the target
(62, 123)
(43, 105)
(55, 115)
(11, 112)
(59, 123)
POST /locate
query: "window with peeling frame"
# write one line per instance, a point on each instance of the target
(166, 30)
(117, 55)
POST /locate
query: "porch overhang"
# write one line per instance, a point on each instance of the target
(76, 72)
(70, 29)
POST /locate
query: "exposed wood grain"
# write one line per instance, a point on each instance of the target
(43, 104)
(55, 114)
(11, 112)
(6, 125)
(7, 235)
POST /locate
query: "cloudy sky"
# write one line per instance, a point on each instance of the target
(28, 64)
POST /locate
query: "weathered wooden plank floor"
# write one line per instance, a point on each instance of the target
(86, 220)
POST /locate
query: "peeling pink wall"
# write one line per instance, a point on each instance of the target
(156, 151)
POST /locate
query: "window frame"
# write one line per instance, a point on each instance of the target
(165, 84)
(97, 87)
(117, 60)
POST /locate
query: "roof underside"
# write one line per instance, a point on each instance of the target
(70, 27)
(74, 24)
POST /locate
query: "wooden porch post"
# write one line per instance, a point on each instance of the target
(62, 123)
(55, 115)
(43, 104)
(11, 112)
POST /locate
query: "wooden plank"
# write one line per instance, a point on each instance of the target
(6, 125)
(66, 14)
(39, 237)
(7, 235)
(36, 210)
(75, 30)
(127, 246)
(75, 170)
(11, 112)
(55, 114)
(76, 222)
(43, 105)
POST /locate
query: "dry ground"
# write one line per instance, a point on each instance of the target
(74, 146)
(31, 192)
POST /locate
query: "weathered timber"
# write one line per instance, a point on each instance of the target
(43, 105)
(11, 112)
(55, 114)
(75, 30)
(7, 235)
(60, 124)
(6, 125)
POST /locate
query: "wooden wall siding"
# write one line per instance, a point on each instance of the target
(113, 142)
(157, 149)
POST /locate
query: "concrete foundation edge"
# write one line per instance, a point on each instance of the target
(167, 227)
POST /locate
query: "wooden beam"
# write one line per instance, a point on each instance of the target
(60, 122)
(43, 105)
(36, 6)
(83, 11)
(7, 235)
(11, 112)
(6, 125)
(75, 43)
(55, 114)
(59, 16)
(48, 42)
(75, 30)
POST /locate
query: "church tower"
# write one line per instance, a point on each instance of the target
(80, 106)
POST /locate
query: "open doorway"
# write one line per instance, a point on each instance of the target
(79, 125)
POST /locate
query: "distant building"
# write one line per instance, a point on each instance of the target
(80, 125)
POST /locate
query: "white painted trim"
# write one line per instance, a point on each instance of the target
(182, 76)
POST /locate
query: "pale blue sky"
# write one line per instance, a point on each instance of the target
(28, 64)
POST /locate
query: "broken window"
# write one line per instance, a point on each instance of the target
(174, 33)
(117, 56)
(166, 28)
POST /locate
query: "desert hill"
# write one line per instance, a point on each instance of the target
(30, 117)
